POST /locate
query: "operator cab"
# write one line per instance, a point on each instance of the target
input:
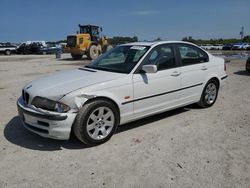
(92, 30)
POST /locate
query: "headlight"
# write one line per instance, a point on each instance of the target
(47, 104)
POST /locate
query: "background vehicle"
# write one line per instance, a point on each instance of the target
(240, 46)
(247, 47)
(50, 49)
(248, 65)
(212, 47)
(7, 48)
(129, 82)
(23, 48)
(227, 47)
(87, 42)
(30, 48)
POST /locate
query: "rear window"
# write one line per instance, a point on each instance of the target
(191, 54)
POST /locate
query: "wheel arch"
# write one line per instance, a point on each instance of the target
(216, 79)
(213, 76)
(201, 101)
(93, 43)
(104, 98)
(7, 50)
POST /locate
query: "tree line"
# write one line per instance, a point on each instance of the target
(113, 40)
(121, 40)
(116, 40)
(216, 41)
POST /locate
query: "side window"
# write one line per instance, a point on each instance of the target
(162, 56)
(191, 55)
(153, 56)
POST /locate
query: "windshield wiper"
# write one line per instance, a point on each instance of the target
(105, 69)
(83, 68)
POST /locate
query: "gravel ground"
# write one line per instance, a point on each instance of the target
(186, 147)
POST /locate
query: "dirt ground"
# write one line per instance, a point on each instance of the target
(187, 147)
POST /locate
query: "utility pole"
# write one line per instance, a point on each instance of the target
(242, 32)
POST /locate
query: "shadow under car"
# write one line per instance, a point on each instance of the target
(15, 133)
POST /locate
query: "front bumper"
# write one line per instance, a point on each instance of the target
(46, 124)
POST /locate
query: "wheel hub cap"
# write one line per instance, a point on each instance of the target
(211, 93)
(100, 123)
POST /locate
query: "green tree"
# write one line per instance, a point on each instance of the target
(121, 40)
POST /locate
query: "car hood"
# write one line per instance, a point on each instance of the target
(59, 84)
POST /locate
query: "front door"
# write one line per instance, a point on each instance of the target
(155, 92)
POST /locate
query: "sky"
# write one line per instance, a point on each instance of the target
(53, 20)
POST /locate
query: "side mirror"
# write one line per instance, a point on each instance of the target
(149, 68)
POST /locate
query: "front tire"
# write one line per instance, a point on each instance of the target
(96, 122)
(209, 94)
(93, 52)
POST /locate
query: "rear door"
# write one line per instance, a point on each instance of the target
(194, 70)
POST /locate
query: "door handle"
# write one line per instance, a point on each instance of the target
(176, 73)
(203, 68)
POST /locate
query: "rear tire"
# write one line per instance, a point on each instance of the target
(76, 57)
(93, 52)
(96, 122)
(209, 94)
(107, 48)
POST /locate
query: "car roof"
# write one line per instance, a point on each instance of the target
(155, 43)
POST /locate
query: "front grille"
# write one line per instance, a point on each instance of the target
(36, 129)
(71, 41)
(45, 124)
(25, 96)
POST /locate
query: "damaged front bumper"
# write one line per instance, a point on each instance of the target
(47, 124)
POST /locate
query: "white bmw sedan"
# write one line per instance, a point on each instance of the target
(129, 82)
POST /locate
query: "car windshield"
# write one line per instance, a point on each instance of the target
(121, 59)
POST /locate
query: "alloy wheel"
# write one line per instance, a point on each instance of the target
(210, 93)
(100, 123)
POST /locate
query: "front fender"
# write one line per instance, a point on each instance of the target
(77, 101)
